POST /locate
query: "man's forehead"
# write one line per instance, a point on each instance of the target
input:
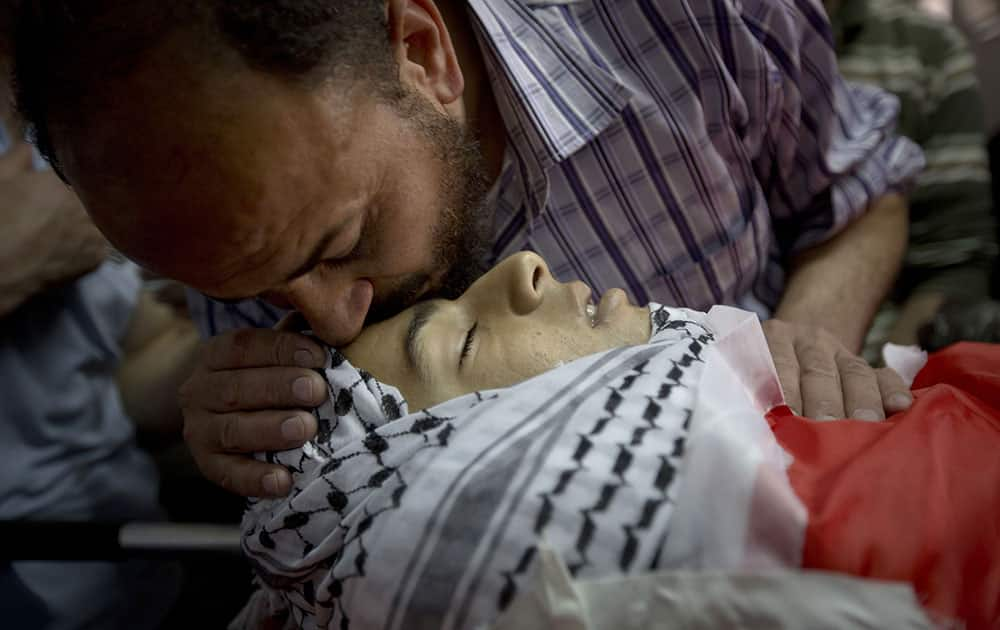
(215, 200)
(198, 105)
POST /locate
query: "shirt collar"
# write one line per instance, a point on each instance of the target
(554, 97)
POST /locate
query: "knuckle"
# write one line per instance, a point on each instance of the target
(855, 366)
(269, 390)
(816, 361)
(231, 349)
(230, 392)
(825, 406)
(229, 438)
(819, 371)
(784, 363)
(217, 351)
(283, 349)
(240, 344)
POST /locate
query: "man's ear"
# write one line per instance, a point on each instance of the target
(423, 50)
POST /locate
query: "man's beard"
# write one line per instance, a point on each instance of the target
(462, 233)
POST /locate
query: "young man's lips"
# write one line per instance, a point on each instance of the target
(584, 300)
(610, 301)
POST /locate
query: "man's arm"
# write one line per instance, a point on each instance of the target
(160, 351)
(827, 166)
(47, 237)
(839, 285)
(832, 295)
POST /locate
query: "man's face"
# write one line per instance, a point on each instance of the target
(330, 201)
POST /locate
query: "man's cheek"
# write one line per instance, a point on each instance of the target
(411, 245)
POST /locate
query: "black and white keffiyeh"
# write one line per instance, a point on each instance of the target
(432, 519)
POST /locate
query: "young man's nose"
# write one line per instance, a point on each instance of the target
(527, 275)
(335, 311)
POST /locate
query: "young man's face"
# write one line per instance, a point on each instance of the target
(331, 202)
(513, 323)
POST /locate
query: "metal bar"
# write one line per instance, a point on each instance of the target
(85, 541)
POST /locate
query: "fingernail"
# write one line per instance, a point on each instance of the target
(866, 414)
(305, 358)
(271, 484)
(825, 417)
(900, 402)
(293, 429)
(303, 389)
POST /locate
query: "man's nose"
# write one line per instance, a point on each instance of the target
(335, 311)
(527, 275)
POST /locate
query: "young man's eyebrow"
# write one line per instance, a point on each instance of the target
(415, 356)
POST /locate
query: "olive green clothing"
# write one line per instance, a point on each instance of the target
(926, 63)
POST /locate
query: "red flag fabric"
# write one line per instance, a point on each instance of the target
(915, 498)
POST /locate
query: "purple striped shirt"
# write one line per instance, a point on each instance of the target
(679, 149)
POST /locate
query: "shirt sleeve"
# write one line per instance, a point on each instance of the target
(214, 318)
(829, 148)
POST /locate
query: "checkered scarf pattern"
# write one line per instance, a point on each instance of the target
(431, 518)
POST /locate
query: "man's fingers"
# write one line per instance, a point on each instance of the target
(862, 397)
(245, 476)
(896, 395)
(254, 431)
(782, 349)
(819, 379)
(253, 389)
(249, 348)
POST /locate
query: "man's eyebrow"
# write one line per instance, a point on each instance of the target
(422, 313)
(317, 255)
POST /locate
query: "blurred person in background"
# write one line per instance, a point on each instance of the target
(82, 349)
(926, 63)
(87, 357)
(980, 21)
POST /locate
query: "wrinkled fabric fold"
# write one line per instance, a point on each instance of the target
(432, 518)
(915, 498)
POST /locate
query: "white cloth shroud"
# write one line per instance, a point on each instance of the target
(634, 460)
(707, 600)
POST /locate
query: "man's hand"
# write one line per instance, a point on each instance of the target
(821, 379)
(252, 392)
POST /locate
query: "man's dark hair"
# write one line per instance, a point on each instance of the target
(65, 49)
